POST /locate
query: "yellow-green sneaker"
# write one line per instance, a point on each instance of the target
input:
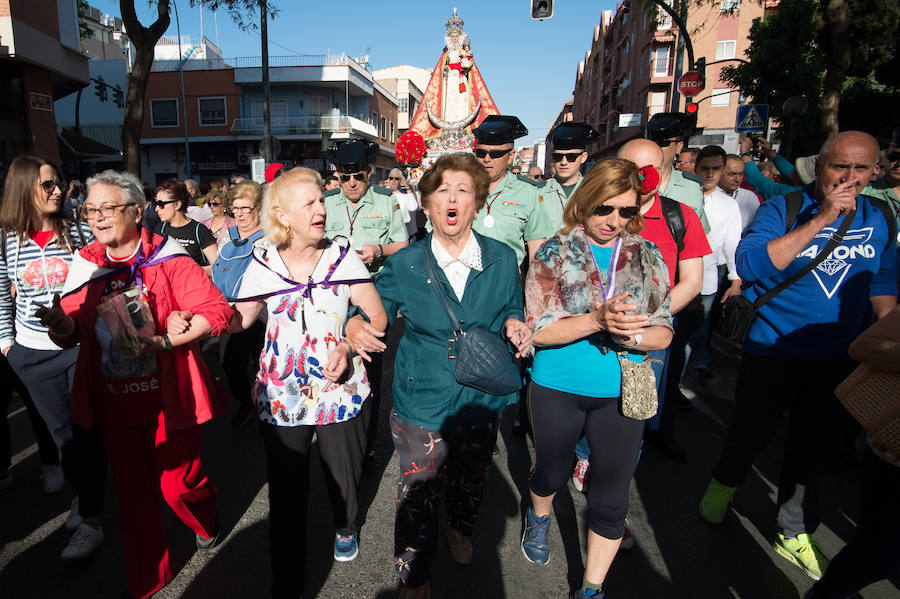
(715, 501)
(803, 552)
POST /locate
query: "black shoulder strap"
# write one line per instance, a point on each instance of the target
(835, 240)
(3, 248)
(671, 210)
(793, 202)
(436, 285)
(888, 216)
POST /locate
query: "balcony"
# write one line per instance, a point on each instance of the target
(662, 68)
(339, 125)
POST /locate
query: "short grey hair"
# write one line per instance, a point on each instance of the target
(395, 170)
(129, 186)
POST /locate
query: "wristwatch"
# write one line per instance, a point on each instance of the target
(637, 339)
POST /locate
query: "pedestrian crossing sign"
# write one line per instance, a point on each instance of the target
(752, 118)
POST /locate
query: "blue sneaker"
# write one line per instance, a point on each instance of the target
(582, 594)
(534, 539)
(346, 547)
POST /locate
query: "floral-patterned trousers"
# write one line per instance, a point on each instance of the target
(433, 464)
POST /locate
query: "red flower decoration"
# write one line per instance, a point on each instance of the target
(649, 179)
(410, 149)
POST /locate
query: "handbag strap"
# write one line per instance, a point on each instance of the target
(429, 266)
(833, 242)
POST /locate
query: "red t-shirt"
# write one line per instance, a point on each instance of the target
(42, 238)
(657, 231)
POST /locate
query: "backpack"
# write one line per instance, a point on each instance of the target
(162, 231)
(234, 257)
(671, 210)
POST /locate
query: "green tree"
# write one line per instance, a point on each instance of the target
(821, 49)
(144, 38)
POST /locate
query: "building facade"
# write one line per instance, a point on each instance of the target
(630, 71)
(407, 83)
(40, 62)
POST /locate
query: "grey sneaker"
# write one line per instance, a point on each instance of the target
(86, 540)
(534, 539)
(74, 520)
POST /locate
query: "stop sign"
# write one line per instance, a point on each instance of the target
(691, 83)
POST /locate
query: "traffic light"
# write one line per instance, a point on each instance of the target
(700, 65)
(541, 9)
(118, 97)
(100, 89)
(691, 109)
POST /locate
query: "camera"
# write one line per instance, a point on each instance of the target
(755, 152)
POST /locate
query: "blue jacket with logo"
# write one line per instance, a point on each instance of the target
(822, 313)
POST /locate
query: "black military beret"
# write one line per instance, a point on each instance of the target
(573, 136)
(499, 129)
(352, 155)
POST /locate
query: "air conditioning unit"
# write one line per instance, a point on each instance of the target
(245, 153)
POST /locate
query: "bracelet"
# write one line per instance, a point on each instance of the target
(380, 251)
(350, 347)
(167, 342)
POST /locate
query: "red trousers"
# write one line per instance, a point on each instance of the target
(147, 462)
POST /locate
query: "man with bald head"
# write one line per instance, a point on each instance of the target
(796, 351)
(677, 231)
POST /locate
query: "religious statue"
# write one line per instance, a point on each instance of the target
(456, 98)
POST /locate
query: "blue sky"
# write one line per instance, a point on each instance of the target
(529, 66)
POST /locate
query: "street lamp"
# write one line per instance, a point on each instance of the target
(187, 149)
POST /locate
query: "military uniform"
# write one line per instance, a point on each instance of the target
(512, 214)
(374, 220)
(553, 199)
(685, 188)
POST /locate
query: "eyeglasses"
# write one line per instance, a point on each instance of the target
(569, 156)
(242, 209)
(627, 212)
(105, 211)
(394, 179)
(163, 203)
(481, 153)
(214, 204)
(537, 177)
(49, 184)
(361, 177)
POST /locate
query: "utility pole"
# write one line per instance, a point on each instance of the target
(266, 148)
(187, 148)
(675, 105)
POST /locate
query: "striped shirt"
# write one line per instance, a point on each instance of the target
(37, 273)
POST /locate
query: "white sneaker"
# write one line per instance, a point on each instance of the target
(582, 467)
(74, 520)
(83, 543)
(53, 478)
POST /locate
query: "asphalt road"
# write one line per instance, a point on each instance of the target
(677, 555)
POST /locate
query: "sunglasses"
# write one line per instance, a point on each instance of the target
(394, 179)
(49, 184)
(569, 156)
(361, 177)
(242, 209)
(891, 156)
(481, 153)
(214, 204)
(665, 143)
(163, 203)
(626, 212)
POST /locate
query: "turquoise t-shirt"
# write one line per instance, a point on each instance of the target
(580, 367)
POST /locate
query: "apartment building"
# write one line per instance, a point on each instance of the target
(629, 72)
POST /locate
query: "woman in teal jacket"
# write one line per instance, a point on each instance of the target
(444, 432)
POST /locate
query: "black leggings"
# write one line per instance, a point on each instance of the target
(558, 419)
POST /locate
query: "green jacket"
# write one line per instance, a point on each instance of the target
(425, 390)
(685, 188)
(554, 200)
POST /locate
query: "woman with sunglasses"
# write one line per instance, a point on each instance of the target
(171, 201)
(594, 289)
(221, 221)
(37, 252)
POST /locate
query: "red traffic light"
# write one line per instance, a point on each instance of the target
(691, 108)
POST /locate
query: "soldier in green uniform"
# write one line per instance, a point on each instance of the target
(512, 213)
(368, 216)
(670, 130)
(570, 141)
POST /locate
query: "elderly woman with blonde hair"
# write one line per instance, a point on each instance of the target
(309, 380)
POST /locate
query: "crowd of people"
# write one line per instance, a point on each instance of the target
(602, 283)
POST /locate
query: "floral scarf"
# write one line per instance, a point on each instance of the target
(563, 282)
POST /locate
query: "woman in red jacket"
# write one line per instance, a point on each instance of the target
(149, 391)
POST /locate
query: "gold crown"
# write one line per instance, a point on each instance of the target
(455, 23)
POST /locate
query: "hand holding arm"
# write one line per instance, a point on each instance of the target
(338, 361)
(519, 334)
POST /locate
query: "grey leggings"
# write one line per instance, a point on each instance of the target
(558, 419)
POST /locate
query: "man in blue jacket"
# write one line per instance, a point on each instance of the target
(796, 352)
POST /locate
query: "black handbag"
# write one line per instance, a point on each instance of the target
(484, 360)
(738, 314)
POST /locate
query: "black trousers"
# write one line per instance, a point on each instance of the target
(766, 389)
(241, 360)
(559, 419)
(10, 382)
(874, 553)
(342, 449)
